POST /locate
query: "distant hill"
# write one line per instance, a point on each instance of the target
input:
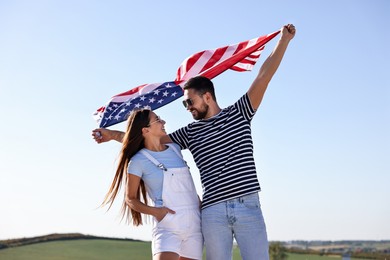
(52, 237)
(368, 249)
(341, 245)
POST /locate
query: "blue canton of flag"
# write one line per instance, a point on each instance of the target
(118, 111)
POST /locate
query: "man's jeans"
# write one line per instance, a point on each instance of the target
(241, 218)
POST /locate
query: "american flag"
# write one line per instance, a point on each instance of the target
(149, 96)
(209, 63)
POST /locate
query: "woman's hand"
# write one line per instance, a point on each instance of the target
(102, 135)
(162, 212)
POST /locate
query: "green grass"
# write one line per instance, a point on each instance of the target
(80, 249)
(96, 249)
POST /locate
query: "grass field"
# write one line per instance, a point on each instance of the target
(96, 249)
(80, 249)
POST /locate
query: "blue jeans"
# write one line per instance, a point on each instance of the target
(241, 218)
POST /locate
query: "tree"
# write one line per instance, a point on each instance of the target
(277, 251)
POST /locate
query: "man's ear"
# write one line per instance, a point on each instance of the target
(209, 98)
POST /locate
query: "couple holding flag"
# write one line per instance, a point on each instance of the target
(150, 161)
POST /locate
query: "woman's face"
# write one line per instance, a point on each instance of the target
(156, 125)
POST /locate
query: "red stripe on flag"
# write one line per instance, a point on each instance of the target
(131, 91)
(228, 63)
(217, 55)
(189, 63)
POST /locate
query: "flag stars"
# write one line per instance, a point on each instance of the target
(116, 112)
(109, 117)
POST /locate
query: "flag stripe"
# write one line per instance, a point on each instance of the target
(226, 64)
(216, 56)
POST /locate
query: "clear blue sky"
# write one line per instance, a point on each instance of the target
(321, 135)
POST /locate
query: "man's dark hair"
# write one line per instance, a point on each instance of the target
(201, 85)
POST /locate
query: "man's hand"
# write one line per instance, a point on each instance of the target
(288, 32)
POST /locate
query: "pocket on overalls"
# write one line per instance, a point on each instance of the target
(166, 221)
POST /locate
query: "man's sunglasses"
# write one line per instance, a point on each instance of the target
(188, 102)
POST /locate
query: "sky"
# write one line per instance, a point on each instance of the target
(321, 135)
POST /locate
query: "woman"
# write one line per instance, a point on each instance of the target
(151, 168)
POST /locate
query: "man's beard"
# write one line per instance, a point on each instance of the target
(200, 114)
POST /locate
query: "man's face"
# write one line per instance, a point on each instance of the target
(195, 104)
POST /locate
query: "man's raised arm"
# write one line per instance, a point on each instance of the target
(269, 67)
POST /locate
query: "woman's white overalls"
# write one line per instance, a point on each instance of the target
(179, 232)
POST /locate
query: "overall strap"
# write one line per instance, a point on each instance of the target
(178, 153)
(153, 160)
(175, 150)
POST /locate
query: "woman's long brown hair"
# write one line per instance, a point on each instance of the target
(133, 141)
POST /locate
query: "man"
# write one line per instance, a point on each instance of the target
(221, 144)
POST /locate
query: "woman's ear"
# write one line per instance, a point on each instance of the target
(145, 130)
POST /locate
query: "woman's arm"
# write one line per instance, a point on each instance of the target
(102, 135)
(132, 186)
